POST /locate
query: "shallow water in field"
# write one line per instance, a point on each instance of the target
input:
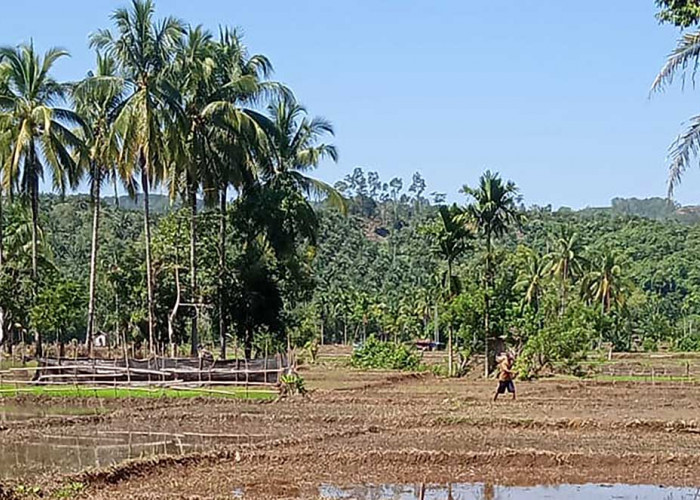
(491, 492)
(44, 453)
(14, 413)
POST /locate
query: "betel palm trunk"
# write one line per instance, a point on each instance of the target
(487, 308)
(149, 271)
(194, 349)
(449, 326)
(222, 264)
(90, 337)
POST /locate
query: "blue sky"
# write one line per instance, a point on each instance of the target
(554, 95)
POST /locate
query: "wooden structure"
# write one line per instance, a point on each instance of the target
(155, 371)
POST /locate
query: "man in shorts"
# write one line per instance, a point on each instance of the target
(506, 376)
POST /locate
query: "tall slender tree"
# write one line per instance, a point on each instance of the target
(492, 212)
(452, 238)
(144, 50)
(97, 99)
(40, 130)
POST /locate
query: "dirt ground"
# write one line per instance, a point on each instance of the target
(381, 428)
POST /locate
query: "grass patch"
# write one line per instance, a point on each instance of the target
(125, 393)
(642, 378)
(6, 364)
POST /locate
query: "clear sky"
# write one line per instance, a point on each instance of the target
(552, 94)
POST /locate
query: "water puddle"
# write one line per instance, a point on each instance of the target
(14, 413)
(43, 453)
(491, 492)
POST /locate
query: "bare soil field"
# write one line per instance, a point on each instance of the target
(383, 428)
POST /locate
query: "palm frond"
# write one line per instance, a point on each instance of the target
(684, 59)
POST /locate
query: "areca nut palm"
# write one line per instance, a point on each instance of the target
(452, 239)
(492, 212)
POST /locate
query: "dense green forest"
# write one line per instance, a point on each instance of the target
(214, 233)
(563, 282)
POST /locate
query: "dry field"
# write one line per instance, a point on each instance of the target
(382, 428)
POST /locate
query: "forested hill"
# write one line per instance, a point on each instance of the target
(379, 270)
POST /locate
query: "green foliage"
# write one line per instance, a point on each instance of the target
(561, 345)
(60, 311)
(292, 384)
(681, 13)
(385, 355)
(69, 490)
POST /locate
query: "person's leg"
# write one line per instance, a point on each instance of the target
(499, 390)
(511, 388)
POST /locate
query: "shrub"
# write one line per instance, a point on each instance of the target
(650, 345)
(688, 343)
(292, 384)
(557, 347)
(385, 355)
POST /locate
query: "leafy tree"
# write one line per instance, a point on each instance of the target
(681, 13)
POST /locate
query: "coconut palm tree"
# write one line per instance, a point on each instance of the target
(532, 277)
(40, 135)
(97, 99)
(144, 52)
(294, 150)
(683, 62)
(214, 81)
(567, 261)
(492, 212)
(606, 284)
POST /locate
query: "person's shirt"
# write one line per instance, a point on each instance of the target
(505, 374)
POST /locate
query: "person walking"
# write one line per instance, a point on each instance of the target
(506, 376)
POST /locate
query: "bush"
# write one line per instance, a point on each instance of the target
(292, 384)
(650, 345)
(385, 355)
(558, 347)
(688, 343)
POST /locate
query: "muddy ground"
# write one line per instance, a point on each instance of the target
(369, 427)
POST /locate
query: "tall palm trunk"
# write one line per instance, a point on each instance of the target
(564, 278)
(449, 326)
(194, 349)
(222, 265)
(149, 272)
(34, 201)
(487, 308)
(2, 311)
(90, 338)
